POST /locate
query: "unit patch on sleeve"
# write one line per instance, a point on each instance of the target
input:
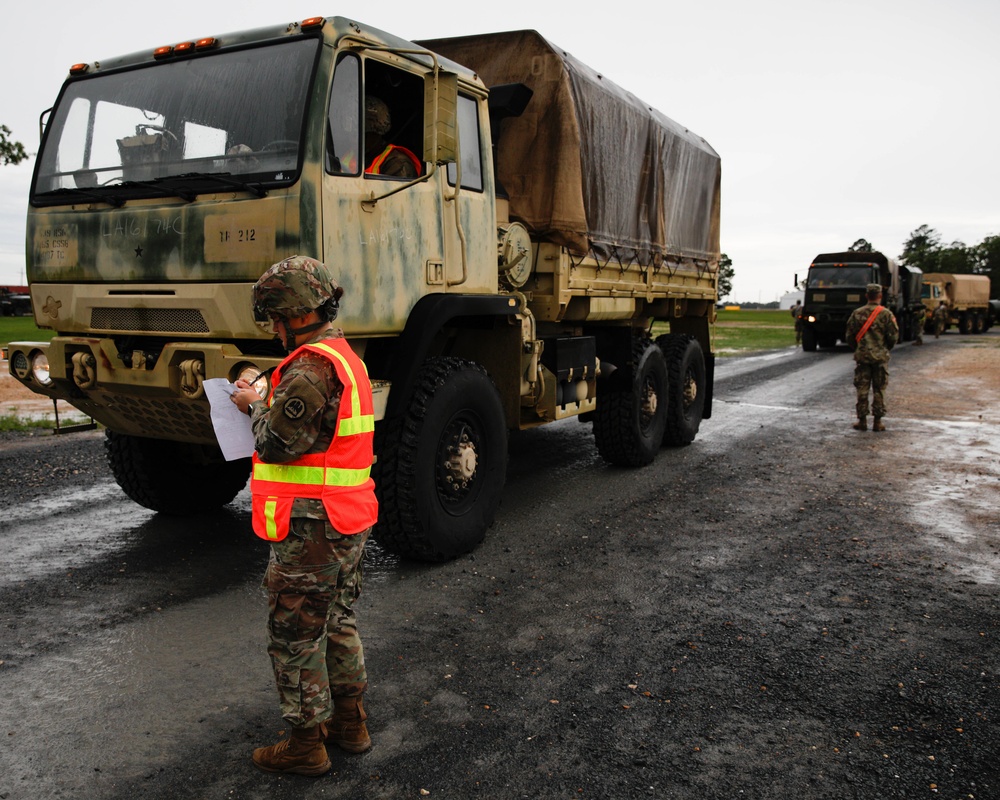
(294, 407)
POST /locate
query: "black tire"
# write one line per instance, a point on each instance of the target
(686, 372)
(965, 324)
(441, 467)
(809, 340)
(978, 323)
(174, 478)
(631, 415)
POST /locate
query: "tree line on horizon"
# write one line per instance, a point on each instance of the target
(924, 250)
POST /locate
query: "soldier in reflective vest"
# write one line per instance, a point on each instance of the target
(382, 157)
(314, 502)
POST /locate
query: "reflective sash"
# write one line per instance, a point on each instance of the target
(868, 324)
(341, 476)
(375, 168)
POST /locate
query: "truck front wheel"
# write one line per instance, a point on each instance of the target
(441, 466)
(809, 340)
(631, 415)
(686, 371)
(175, 478)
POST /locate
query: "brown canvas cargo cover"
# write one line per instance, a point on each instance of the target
(590, 166)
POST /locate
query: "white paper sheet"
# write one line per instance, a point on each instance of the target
(232, 426)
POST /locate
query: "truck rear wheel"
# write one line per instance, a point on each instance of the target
(965, 323)
(175, 478)
(686, 372)
(442, 465)
(978, 322)
(631, 415)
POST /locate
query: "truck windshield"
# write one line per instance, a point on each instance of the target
(237, 114)
(846, 277)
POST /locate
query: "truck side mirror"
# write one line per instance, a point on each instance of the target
(441, 117)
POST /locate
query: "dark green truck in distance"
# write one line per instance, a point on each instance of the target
(835, 286)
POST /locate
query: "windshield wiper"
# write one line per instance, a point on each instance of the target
(225, 178)
(110, 199)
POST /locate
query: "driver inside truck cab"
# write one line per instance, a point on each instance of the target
(382, 157)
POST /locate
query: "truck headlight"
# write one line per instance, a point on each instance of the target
(257, 379)
(40, 368)
(810, 318)
(19, 365)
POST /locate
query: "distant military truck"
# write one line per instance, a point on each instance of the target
(835, 286)
(555, 257)
(15, 301)
(967, 298)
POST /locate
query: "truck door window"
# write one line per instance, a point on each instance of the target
(343, 131)
(393, 122)
(468, 146)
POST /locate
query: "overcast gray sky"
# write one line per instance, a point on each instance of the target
(834, 120)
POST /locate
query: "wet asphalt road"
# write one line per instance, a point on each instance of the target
(768, 613)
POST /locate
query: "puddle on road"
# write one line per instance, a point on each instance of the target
(956, 493)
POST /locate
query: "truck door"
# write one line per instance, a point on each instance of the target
(381, 236)
(470, 236)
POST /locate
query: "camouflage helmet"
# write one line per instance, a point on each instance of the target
(294, 287)
(377, 117)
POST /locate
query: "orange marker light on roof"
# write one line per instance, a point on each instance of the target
(184, 47)
(78, 69)
(163, 52)
(312, 22)
(207, 42)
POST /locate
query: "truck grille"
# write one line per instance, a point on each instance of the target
(166, 320)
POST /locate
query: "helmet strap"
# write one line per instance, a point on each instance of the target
(291, 334)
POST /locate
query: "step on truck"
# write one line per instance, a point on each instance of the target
(836, 284)
(555, 255)
(966, 297)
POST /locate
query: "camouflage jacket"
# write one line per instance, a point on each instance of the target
(878, 340)
(302, 416)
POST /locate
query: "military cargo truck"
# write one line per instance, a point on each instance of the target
(835, 286)
(967, 298)
(555, 257)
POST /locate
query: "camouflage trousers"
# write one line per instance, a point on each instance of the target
(876, 378)
(312, 580)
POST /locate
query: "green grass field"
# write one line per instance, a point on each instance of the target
(21, 329)
(740, 331)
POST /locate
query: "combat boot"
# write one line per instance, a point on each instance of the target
(302, 753)
(877, 424)
(861, 424)
(346, 728)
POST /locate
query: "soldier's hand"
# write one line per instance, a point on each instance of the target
(244, 396)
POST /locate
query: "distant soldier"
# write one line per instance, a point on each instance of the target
(797, 316)
(940, 319)
(918, 325)
(871, 332)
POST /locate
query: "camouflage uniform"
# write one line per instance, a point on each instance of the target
(796, 312)
(871, 355)
(940, 319)
(918, 325)
(314, 575)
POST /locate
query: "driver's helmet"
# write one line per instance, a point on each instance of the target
(294, 287)
(377, 117)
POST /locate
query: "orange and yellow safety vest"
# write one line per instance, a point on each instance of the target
(340, 477)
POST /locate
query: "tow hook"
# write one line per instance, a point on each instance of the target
(84, 370)
(192, 376)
